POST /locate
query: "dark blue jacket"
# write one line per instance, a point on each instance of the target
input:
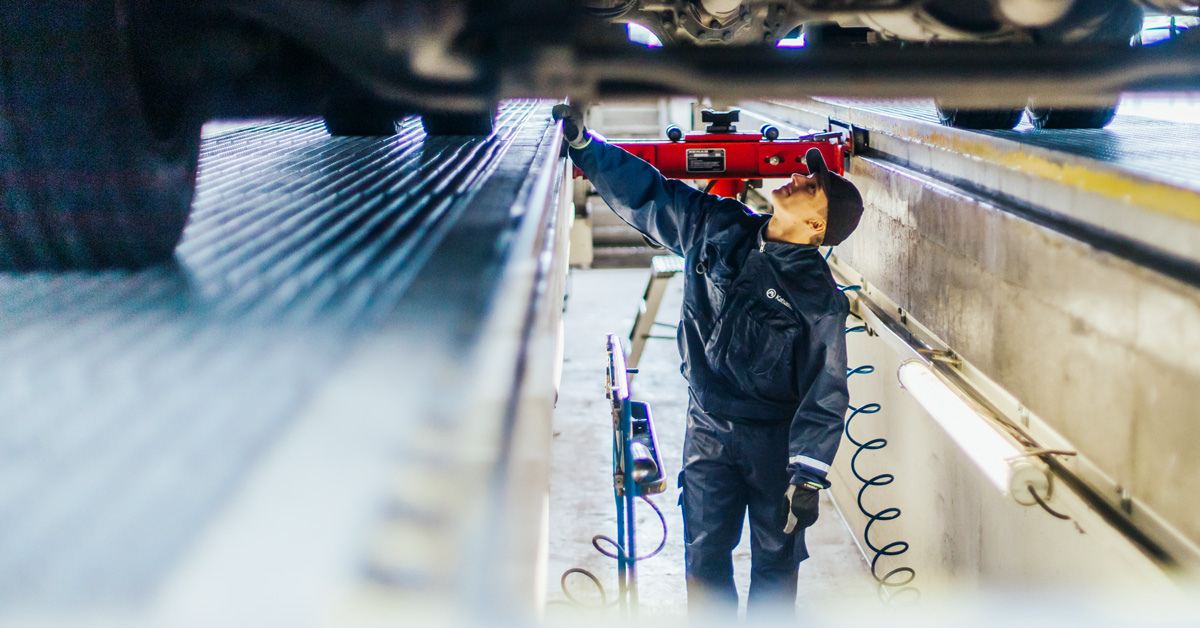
(762, 334)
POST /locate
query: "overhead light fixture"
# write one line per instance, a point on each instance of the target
(791, 42)
(1002, 461)
(639, 34)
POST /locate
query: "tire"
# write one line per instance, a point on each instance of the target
(1113, 22)
(825, 35)
(480, 123)
(1090, 118)
(980, 118)
(359, 117)
(87, 179)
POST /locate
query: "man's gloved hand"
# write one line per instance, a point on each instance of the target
(802, 504)
(572, 120)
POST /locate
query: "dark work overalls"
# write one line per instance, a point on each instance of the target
(762, 336)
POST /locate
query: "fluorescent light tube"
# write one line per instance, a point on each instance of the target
(1001, 460)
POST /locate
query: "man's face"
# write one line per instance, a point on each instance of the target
(802, 201)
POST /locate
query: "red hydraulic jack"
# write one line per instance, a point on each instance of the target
(730, 160)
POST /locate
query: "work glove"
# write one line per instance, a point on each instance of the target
(572, 121)
(802, 507)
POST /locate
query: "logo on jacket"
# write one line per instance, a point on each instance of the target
(772, 294)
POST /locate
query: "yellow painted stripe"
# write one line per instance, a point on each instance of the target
(1162, 198)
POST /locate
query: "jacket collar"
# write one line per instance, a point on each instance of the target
(784, 251)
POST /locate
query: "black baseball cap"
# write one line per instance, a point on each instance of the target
(845, 203)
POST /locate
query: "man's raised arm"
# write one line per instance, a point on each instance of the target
(668, 211)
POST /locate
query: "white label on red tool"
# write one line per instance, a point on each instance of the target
(706, 160)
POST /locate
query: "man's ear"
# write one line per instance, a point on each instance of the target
(816, 225)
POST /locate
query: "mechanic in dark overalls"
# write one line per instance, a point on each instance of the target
(762, 338)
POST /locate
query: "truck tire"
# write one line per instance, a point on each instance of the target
(359, 117)
(980, 119)
(1088, 118)
(832, 35)
(480, 123)
(93, 172)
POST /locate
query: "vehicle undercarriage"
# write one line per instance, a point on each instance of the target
(111, 94)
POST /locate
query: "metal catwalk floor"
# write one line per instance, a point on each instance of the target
(133, 405)
(1157, 149)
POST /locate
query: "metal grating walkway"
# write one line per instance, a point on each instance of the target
(1155, 149)
(132, 403)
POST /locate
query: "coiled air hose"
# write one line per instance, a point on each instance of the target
(895, 583)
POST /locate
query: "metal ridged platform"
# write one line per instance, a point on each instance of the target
(135, 404)
(1156, 149)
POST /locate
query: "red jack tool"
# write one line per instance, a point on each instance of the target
(727, 159)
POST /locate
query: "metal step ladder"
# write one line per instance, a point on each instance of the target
(662, 268)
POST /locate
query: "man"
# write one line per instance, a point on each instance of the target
(762, 338)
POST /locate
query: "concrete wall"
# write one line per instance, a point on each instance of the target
(965, 536)
(1104, 351)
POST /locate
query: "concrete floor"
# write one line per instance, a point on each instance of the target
(833, 580)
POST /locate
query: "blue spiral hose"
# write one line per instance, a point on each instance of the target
(895, 582)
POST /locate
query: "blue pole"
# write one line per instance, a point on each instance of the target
(620, 499)
(624, 487)
(630, 515)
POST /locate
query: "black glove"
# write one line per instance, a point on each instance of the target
(572, 120)
(802, 506)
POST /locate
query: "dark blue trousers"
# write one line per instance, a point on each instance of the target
(729, 469)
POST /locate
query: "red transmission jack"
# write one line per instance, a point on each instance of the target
(728, 159)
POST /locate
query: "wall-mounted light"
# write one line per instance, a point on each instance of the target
(1002, 460)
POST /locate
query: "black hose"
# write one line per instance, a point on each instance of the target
(1038, 498)
(617, 554)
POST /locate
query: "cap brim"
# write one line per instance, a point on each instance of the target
(816, 165)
